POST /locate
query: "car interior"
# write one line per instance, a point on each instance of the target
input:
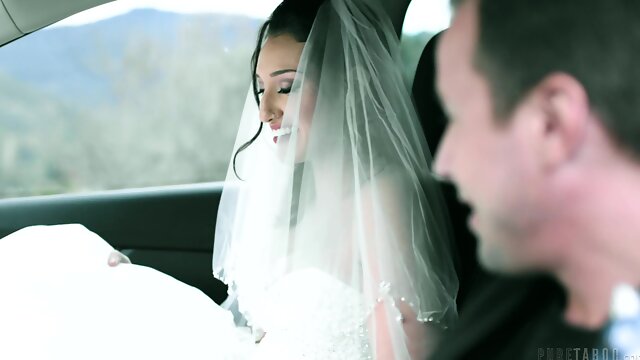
(171, 228)
(19, 18)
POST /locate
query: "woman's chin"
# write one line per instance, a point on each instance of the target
(284, 148)
(283, 140)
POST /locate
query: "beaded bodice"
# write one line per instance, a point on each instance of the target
(311, 315)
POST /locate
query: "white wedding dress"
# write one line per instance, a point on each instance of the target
(60, 300)
(349, 203)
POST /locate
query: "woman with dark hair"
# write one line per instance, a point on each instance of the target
(331, 233)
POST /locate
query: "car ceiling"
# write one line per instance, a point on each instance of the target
(21, 17)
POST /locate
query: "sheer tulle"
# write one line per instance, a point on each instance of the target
(348, 194)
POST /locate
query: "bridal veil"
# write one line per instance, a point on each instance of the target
(348, 192)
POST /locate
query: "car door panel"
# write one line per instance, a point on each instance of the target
(168, 228)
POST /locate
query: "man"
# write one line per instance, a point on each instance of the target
(543, 144)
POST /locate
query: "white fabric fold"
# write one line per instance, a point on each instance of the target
(59, 300)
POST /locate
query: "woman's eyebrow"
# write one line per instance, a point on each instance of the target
(280, 72)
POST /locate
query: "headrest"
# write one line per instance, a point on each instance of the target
(426, 100)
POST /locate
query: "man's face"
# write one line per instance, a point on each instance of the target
(489, 160)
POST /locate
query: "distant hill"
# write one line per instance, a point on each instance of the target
(62, 60)
(23, 108)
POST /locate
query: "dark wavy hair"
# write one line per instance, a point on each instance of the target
(291, 17)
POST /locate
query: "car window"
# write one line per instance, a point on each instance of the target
(424, 19)
(119, 97)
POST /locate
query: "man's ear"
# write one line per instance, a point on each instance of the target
(564, 111)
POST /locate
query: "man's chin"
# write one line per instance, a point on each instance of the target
(495, 259)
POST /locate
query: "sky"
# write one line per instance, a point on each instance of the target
(417, 19)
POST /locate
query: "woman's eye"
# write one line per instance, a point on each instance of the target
(289, 87)
(260, 92)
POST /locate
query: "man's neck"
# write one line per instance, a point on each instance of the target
(605, 251)
(588, 297)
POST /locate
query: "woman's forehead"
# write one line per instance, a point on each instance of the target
(279, 52)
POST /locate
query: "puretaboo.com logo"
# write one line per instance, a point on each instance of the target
(581, 354)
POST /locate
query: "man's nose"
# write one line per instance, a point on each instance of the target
(443, 158)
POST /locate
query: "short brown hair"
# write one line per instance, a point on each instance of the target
(595, 41)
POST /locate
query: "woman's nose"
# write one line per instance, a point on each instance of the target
(269, 111)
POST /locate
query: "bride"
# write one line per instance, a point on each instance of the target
(331, 233)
